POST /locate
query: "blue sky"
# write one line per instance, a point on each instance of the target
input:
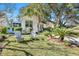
(17, 8)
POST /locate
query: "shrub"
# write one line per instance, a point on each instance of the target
(4, 30)
(61, 32)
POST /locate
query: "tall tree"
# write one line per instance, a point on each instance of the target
(59, 9)
(71, 14)
(37, 12)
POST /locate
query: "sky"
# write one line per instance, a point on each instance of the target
(17, 8)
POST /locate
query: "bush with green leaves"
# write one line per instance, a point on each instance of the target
(61, 32)
(4, 30)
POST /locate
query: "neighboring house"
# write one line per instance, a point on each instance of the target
(10, 30)
(15, 23)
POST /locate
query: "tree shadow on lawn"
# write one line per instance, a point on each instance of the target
(30, 47)
(26, 53)
(41, 48)
(7, 44)
(3, 46)
(27, 41)
(53, 48)
(23, 42)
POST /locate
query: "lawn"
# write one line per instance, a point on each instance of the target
(38, 47)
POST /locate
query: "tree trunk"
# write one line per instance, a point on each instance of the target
(40, 26)
(61, 38)
(35, 24)
(57, 22)
(23, 26)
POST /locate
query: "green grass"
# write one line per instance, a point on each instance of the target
(39, 47)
